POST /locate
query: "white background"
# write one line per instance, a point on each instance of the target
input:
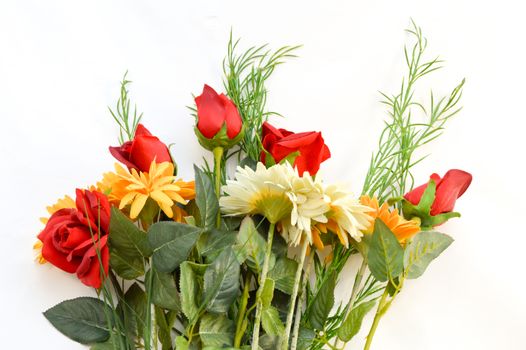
(60, 64)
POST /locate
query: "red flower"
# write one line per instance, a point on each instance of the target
(73, 236)
(141, 151)
(218, 121)
(280, 143)
(448, 190)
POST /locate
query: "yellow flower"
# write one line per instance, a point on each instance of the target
(135, 188)
(403, 229)
(62, 203)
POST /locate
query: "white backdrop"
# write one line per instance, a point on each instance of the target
(60, 64)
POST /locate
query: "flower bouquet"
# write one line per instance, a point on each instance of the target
(248, 254)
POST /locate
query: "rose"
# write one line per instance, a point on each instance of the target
(218, 121)
(140, 152)
(308, 148)
(434, 201)
(74, 238)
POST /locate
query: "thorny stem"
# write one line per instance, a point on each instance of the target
(263, 277)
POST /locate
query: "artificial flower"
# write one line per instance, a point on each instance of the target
(62, 203)
(403, 229)
(218, 121)
(346, 216)
(75, 238)
(279, 194)
(139, 153)
(132, 188)
(309, 148)
(448, 189)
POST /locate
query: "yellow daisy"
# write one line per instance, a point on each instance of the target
(135, 188)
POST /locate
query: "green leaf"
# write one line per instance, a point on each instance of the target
(269, 342)
(386, 255)
(211, 243)
(216, 331)
(134, 306)
(110, 344)
(189, 289)
(206, 199)
(424, 248)
(250, 245)
(352, 324)
(128, 246)
(181, 343)
(305, 338)
(221, 282)
(322, 303)
(171, 243)
(164, 329)
(271, 322)
(428, 197)
(283, 274)
(164, 293)
(268, 293)
(82, 319)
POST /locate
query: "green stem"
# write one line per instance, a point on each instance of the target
(263, 277)
(218, 157)
(148, 327)
(303, 295)
(379, 313)
(290, 314)
(354, 293)
(242, 312)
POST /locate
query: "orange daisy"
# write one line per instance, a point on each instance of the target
(403, 229)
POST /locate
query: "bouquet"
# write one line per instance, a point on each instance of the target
(248, 254)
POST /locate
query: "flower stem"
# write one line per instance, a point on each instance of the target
(218, 157)
(285, 340)
(241, 314)
(379, 313)
(263, 277)
(354, 293)
(297, 317)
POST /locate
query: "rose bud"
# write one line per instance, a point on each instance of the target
(307, 150)
(74, 238)
(140, 152)
(434, 202)
(218, 121)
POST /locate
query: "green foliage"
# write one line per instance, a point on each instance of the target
(221, 282)
(390, 167)
(251, 245)
(424, 248)
(163, 292)
(123, 115)
(134, 306)
(352, 324)
(386, 255)
(271, 322)
(245, 76)
(216, 331)
(128, 246)
(283, 274)
(171, 243)
(82, 319)
(322, 303)
(212, 243)
(206, 199)
(189, 291)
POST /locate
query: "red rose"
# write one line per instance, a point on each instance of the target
(280, 143)
(218, 121)
(140, 152)
(448, 190)
(72, 237)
